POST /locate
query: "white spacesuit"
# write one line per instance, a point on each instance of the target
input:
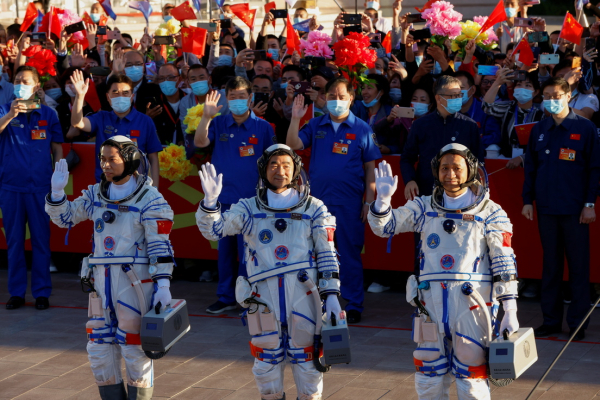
(131, 265)
(288, 240)
(467, 268)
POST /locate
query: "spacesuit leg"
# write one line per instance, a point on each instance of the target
(469, 364)
(105, 361)
(269, 379)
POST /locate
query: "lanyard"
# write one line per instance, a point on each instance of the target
(169, 112)
(527, 113)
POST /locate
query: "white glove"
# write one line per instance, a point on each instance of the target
(386, 184)
(332, 305)
(509, 321)
(163, 294)
(60, 178)
(211, 184)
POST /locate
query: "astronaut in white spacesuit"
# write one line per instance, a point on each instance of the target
(131, 265)
(467, 268)
(288, 240)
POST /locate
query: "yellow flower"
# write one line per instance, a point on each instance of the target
(161, 31)
(454, 46)
(173, 26)
(173, 163)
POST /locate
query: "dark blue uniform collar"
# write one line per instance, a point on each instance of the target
(129, 117)
(569, 120)
(230, 121)
(349, 121)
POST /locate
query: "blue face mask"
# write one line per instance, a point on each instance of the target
(457, 64)
(239, 106)
(168, 88)
(135, 73)
(283, 86)
(200, 88)
(120, 104)
(297, 20)
(337, 107)
(396, 94)
(420, 108)
(523, 95)
(371, 103)
(274, 54)
(418, 60)
(437, 68)
(510, 12)
(54, 93)
(554, 106)
(224, 60)
(95, 17)
(23, 91)
(453, 105)
(166, 18)
(465, 96)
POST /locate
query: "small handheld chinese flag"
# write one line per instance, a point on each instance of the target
(571, 29)
(525, 53)
(243, 12)
(523, 132)
(30, 16)
(91, 97)
(426, 6)
(269, 7)
(293, 41)
(387, 42)
(497, 16)
(193, 40)
(183, 11)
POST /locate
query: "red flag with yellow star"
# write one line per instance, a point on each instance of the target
(87, 19)
(571, 29)
(269, 7)
(293, 41)
(51, 23)
(426, 6)
(193, 40)
(523, 132)
(183, 11)
(387, 42)
(243, 12)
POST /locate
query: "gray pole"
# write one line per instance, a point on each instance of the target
(17, 7)
(77, 3)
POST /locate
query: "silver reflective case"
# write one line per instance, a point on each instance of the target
(509, 358)
(336, 342)
(161, 331)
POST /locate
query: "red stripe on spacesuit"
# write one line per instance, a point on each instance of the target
(474, 307)
(145, 281)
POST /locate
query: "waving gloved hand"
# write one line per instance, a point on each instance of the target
(509, 321)
(163, 294)
(386, 184)
(60, 178)
(332, 305)
(211, 184)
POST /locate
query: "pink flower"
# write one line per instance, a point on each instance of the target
(316, 45)
(490, 32)
(69, 17)
(442, 20)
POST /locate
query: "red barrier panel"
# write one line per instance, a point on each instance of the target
(184, 196)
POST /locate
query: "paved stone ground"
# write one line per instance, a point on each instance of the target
(42, 353)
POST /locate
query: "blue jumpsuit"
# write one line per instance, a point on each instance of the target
(337, 177)
(25, 173)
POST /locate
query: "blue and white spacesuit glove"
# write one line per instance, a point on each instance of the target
(386, 184)
(60, 178)
(332, 305)
(212, 184)
(509, 321)
(163, 294)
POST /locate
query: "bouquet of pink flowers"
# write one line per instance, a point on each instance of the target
(316, 45)
(443, 22)
(69, 17)
(492, 39)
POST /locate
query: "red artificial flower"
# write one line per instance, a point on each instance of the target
(354, 49)
(43, 60)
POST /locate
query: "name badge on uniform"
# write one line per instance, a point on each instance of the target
(253, 140)
(567, 155)
(246, 151)
(320, 135)
(340, 148)
(15, 122)
(223, 137)
(38, 134)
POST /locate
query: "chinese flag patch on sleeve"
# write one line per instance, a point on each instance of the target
(164, 227)
(506, 239)
(330, 232)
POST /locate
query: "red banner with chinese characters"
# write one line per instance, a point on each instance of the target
(184, 197)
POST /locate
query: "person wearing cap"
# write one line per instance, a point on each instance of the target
(289, 238)
(166, 11)
(123, 120)
(130, 270)
(563, 150)
(29, 140)
(372, 9)
(341, 168)
(238, 139)
(467, 268)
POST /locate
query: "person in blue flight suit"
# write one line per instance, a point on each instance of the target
(239, 139)
(342, 171)
(27, 139)
(562, 170)
(124, 120)
(489, 129)
(429, 134)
